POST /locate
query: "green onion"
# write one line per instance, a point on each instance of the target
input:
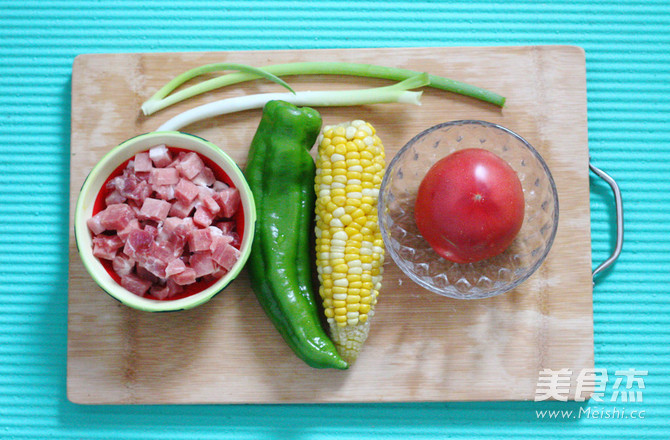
(149, 106)
(159, 102)
(394, 93)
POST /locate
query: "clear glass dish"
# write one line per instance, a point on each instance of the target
(412, 253)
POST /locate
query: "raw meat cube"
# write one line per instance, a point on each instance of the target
(95, 223)
(200, 240)
(174, 267)
(138, 244)
(123, 233)
(214, 231)
(170, 224)
(190, 166)
(167, 249)
(184, 278)
(153, 230)
(219, 272)
(185, 229)
(164, 192)
(131, 187)
(140, 191)
(114, 197)
(160, 156)
(145, 274)
(229, 201)
(164, 176)
(219, 186)
(152, 264)
(202, 217)
(155, 209)
(202, 263)
(181, 210)
(219, 240)
(210, 204)
(116, 217)
(175, 289)
(135, 284)
(205, 177)
(105, 246)
(160, 292)
(142, 162)
(186, 191)
(236, 240)
(225, 255)
(226, 227)
(123, 264)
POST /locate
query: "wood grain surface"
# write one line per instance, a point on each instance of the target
(422, 347)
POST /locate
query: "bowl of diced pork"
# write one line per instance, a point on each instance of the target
(164, 221)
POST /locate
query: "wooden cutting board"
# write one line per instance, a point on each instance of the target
(422, 347)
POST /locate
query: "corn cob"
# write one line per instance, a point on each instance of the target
(349, 248)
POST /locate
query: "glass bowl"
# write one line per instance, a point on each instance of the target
(412, 253)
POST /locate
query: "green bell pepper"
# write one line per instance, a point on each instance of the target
(280, 172)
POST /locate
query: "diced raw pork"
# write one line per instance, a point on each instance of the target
(164, 192)
(186, 191)
(210, 204)
(114, 197)
(202, 263)
(168, 290)
(160, 156)
(175, 289)
(164, 176)
(229, 201)
(174, 267)
(190, 166)
(95, 223)
(161, 213)
(155, 209)
(205, 177)
(226, 227)
(123, 233)
(153, 264)
(202, 217)
(200, 240)
(219, 272)
(185, 229)
(116, 217)
(170, 223)
(153, 230)
(181, 210)
(142, 162)
(105, 246)
(145, 274)
(138, 244)
(236, 239)
(135, 284)
(170, 249)
(219, 240)
(160, 292)
(219, 186)
(184, 278)
(123, 264)
(131, 187)
(225, 255)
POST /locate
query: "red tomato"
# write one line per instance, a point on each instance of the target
(470, 206)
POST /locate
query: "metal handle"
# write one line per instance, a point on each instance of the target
(619, 220)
